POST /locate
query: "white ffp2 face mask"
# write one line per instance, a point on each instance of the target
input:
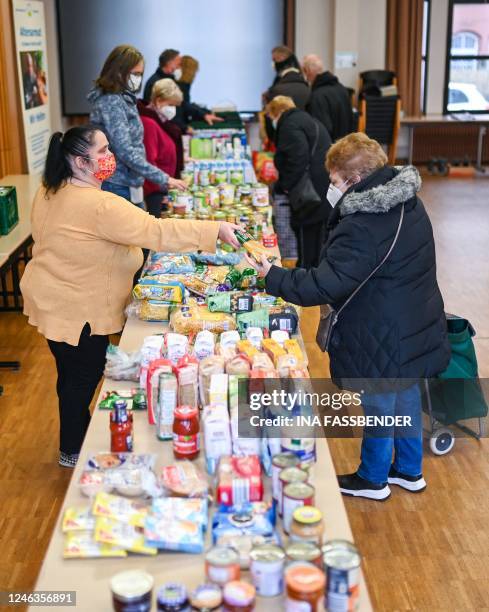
(167, 112)
(335, 194)
(134, 82)
(177, 73)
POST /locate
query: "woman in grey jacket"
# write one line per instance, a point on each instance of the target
(114, 111)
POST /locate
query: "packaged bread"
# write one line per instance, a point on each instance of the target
(204, 344)
(239, 365)
(187, 370)
(184, 479)
(245, 347)
(292, 347)
(154, 310)
(261, 361)
(273, 349)
(187, 320)
(207, 367)
(285, 364)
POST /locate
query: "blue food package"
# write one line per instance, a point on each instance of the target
(252, 518)
(219, 258)
(150, 289)
(188, 509)
(167, 533)
(169, 263)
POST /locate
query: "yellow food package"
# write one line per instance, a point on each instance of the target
(78, 519)
(119, 508)
(245, 347)
(82, 545)
(110, 531)
(273, 349)
(292, 347)
(193, 319)
(154, 310)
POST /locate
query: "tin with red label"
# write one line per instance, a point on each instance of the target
(295, 495)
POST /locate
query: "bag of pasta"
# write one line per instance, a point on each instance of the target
(193, 319)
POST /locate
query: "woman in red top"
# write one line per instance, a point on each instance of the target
(160, 148)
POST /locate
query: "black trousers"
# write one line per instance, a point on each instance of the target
(156, 203)
(310, 241)
(80, 369)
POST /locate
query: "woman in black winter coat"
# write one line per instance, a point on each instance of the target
(394, 329)
(302, 143)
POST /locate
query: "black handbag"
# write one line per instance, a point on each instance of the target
(303, 198)
(329, 317)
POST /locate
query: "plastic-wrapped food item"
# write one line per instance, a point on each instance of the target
(286, 363)
(107, 461)
(155, 369)
(134, 398)
(169, 263)
(129, 474)
(239, 365)
(154, 310)
(207, 367)
(199, 286)
(91, 483)
(216, 274)
(176, 346)
(273, 349)
(218, 390)
(262, 361)
(122, 535)
(184, 479)
(299, 372)
(217, 435)
(78, 519)
(187, 370)
(262, 300)
(148, 289)
(219, 258)
(241, 445)
(151, 350)
(121, 509)
(250, 518)
(292, 347)
(280, 336)
(82, 545)
(230, 338)
(247, 348)
(254, 248)
(234, 301)
(120, 365)
(256, 318)
(204, 345)
(194, 510)
(239, 480)
(244, 544)
(284, 318)
(172, 534)
(167, 402)
(187, 320)
(248, 279)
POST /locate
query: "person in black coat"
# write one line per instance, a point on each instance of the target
(394, 329)
(330, 101)
(297, 136)
(289, 80)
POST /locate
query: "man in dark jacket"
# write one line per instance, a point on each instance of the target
(330, 101)
(302, 144)
(289, 80)
(394, 328)
(169, 64)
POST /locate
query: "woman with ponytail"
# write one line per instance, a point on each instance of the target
(87, 248)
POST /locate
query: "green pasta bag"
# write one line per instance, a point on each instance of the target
(235, 301)
(256, 318)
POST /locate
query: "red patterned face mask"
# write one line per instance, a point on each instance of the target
(106, 167)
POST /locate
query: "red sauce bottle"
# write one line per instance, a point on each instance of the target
(186, 436)
(121, 438)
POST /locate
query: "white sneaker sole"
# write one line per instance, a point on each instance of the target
(379, 495)
(415, 487)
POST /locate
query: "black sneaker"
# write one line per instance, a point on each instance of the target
(354, 485)
(415, 484)
(66, 460)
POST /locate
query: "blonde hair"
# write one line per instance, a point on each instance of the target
(279, 104)
(355, 154)
(166, 89)
(189, 67)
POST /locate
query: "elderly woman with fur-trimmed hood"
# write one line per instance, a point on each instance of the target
(394, 328)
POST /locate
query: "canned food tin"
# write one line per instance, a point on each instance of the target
(199, 200)
(227, 194)
(341, 562)
(303, 551)
(260, 195)
(305, 587)
(222, 565)
(286, 476)
(218, 215)
(296, 494)
(184, 203)
(307, 525)
(267, 569)
(212, 197)
(303, 448)
(279, 463)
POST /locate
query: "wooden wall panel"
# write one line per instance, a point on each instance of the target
(12, 148)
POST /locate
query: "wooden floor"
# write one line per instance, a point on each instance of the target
(421, 552)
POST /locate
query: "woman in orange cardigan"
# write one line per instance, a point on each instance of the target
(87, 248)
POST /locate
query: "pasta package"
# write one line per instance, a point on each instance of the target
(192, 319)
(154, 310)
(82, 545)
(122, 535)
(148, 289)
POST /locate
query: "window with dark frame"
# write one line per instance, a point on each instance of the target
(425, 53)
(467, 57)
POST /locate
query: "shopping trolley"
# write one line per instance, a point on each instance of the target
(456, 394)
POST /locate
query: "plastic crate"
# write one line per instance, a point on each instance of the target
(9, 212)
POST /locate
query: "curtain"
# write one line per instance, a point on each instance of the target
(404, 47)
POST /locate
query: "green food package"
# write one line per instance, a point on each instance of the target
(234, 278)
(255, 318)
(235, 301)
(219, 302)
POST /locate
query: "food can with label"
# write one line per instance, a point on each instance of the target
(212, 197)
(184, 203)
(267, 569)
(199, 200)
(307, 525)
(305, 587)
(279, 463)
(308, 552)
(295, 495)
(260, 195)
(227, 194)
(287, 476)
(222, 565)
(303, 448)
(341, 563)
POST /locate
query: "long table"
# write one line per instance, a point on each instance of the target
(90, 578)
